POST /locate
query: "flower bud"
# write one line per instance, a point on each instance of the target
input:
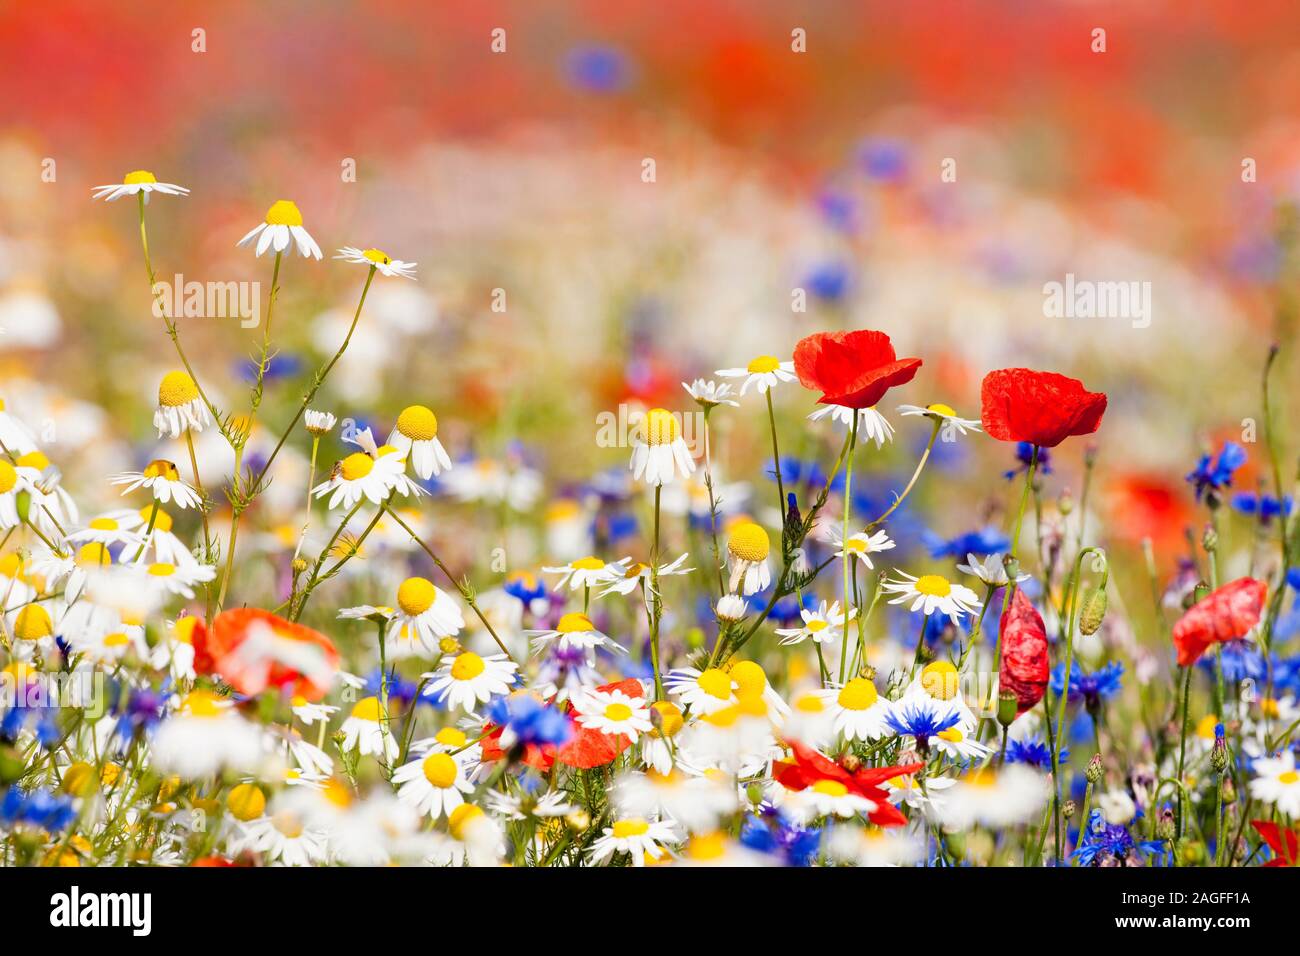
(23, 502)
(1094, 611)
(1068, 809)
(1008, 707)
(1095, 771)
(1219, 756)
(1210, 539)
(1229, 792)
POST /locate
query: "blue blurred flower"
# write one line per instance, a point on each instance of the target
(1265, 507)
(984, 542)
(597, 68)
(884, 160)
(828, 281)
(1107, 842)
(1212, 474)
(1034, 752)
(1024, 455)
(36, 807)
(772, 832)
(1090, 688)
(530, 720)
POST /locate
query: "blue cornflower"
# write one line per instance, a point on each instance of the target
(839, 208)
(141, 710)
(788, 608)
(1265, 507)
(1211, 474)
(884, 160)
(530, 720)
(772, 832)
(399, 690)
(524, 586)
(598, 69)
(1241, 660)
(983, 542)
(37, 807)
(1035, 753)
(1091, 688)
(278, 367)
(796, 471)
(829, 281)
(921, 719)
(1107, 842)
(1024, 455)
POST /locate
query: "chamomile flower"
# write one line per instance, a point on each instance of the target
(523, 805)
(1277, 782)
(944, 415)
(165, 545)
(573, 630)
(857, 710)
(171, 579)
(1014, 795)
(709, 394)
(751, 682)
(811, 718)
(163, 481)
(11, 483)
(139, 181)
(657, 746)
(613, 712)
(695, 801)
(469, 680)
(635, 573)
(366, 730)
(14, 434)
(205, 735)
(585, 572)
(860, 545)
(310, 713)
(940, 680)
(380, 261)
(428, 611)
(990, 570)
(821, 625)
(932, 592)
(872, 425)
(119, 527)
(319, 423)
(660, 452)
(433, 784)
(180, 407)
(283, 224)
(704, 692)
(287, 837)
(635, 836)
(174, 653)
(747, 549)
(874, 846)
(360, 475)
(764, 372)
(415, 436)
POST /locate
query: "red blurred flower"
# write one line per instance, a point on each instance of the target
(1024, 667)
(1224, 614)
(809, 766)
(1043, 408)
(585, 749)
(1284, 843)
(853, 369)
(254, 649)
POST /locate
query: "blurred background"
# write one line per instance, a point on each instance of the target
(774, 171)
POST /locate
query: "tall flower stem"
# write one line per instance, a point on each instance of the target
(844, 541)
(1182, 746)
(1020, 518)
(198, 484)
(656, 602)
(920, 466)
(153, 518)
(713, 505)
(776, 459)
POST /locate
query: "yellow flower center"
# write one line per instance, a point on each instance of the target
(183, 629)
(283, 213)
(452, 737)
(356, 465)
(934, 585)
(117, 639)
(461, 817)
(809, 704)
(78, 779)
(467, 666)
(831, 788)
(857, 694)
(749, 542)
(440, 770)
(708, 846)
(246, 802)
(660, 427)
(162, 569)
(588, 564)
(941, 409)
(631, 827)
(376, 256)
(93, 554)
(574, 623)
(1289, 777)
(177, 388)
(981, 778)
(138, 177)
(161, 468)
(816, 625)
(201, 703)
(103, 524)
(749, 677)
(8, 477)
(764, 363)
(715, 683)
(33, 623)
(416, 595)
(1205, 726)
(618, 712)
(162, 521)
(34, 459)
(952, 735)
(417, 423)
(939, 679)
(367, 708)
(670, 717)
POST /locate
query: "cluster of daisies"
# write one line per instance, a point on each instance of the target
(789, 672)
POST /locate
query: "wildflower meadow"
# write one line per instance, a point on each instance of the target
(821, 587)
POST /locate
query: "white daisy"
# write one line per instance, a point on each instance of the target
(695, 801)
(860, 545)
(991, 570)
(379, 260)
(823, 625)
(415, 436)
(871, 424)
(172, 579)
(747, 549)
(942, 413)
(204, 736)
(1277, 783)
(636, 573)
(361, 476)
(319, 423)
(470, 679)
(635, 836)
(164, 483)
(428, 611)
(585, 572)
(857, 710)
(140, 181)
(932, 592)
(709, 394)
(180, 407)
(704, 692)
(659, 452)
(574, 629)
(283, 224)
(764, 372)
(366, 730)
(433, 784)
(613, 712)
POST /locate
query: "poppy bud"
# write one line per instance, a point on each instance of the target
(1094, 611)
(1008, 707)
(1024, 667)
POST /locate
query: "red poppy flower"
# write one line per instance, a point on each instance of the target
(809, 767)
(586, 747)
(539, 757)
(1224, 614)
(1043, 408)
(853, 369)
(1024, 667)
(254, 649)
(1284, 843)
